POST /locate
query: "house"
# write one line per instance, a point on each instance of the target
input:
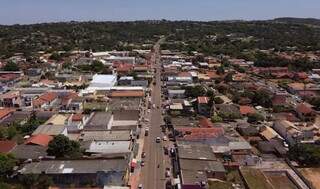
(99, 121)
(5, 113)
(6, 146)
(292, 133)
(76, 122)
(10, 99)
(305, 112)
(203, 106)
(279, 100)
(125, 80)
(39, 139)
(176, 93)
(207, 165)
(81, 172)
(246, 110)
(45, 100)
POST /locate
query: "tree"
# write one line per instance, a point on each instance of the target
(62, 146)
(218, 100)
(220, 70)
(262, 98)
(216, 119)
(97, 66)
(55, 56)
(7, 162)
(195, 91)
(253, 118)
(36, 181)
(306, 154)
(316, 103)
(11, 66)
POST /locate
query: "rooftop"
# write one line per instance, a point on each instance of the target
(75, 166)
(123, 135)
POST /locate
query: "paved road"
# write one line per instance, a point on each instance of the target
(153, 176)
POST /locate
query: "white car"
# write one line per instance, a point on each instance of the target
(164, 138)
(158, 140)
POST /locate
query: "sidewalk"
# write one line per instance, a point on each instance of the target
(134, 180)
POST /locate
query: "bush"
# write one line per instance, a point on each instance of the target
(253, 118)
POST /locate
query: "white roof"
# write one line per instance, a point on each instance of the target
(107, 147)
(100, 78)
(176, 106)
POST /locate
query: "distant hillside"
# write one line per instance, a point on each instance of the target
(290, 20)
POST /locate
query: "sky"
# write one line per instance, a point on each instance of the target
(38, 11)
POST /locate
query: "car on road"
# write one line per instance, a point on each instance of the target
(164, 138)
(146, 131)
(143, 154)
(167, 174)
(158, 140)
(142, 163)
(140, 186)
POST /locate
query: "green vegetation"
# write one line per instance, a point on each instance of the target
(306, 154)
(216, 119)
(195, 91)
(11, 66)
(61, 146)
(253, 118)
(16, 130)
(7, 162)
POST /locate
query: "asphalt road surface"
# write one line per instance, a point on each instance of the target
(153, 173)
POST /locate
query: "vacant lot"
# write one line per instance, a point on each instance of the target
(280, 180)
(232, 177)
(255, 179)
(312, 175)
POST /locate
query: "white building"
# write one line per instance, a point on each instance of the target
(100, 82)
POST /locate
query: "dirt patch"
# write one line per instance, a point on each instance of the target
(312, 175)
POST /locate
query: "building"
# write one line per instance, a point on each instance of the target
(203, 106)
(100, 83)
(176, 93)
(99, 121)
(81, 172)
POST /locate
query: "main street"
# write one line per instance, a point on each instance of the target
(153, 173)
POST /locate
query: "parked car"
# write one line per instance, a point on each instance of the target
(164, 138)
(143, 154)
(168, 174)
(140, 186)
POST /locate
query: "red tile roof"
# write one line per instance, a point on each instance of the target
(304, 109)
(77, 117)
(244, 110)
(45, 98)
(279, 100)
(205, 123)
(41, 140)
(5, 112)
(201, 133)
(203, 100)
(127, 94)
(6, 146)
